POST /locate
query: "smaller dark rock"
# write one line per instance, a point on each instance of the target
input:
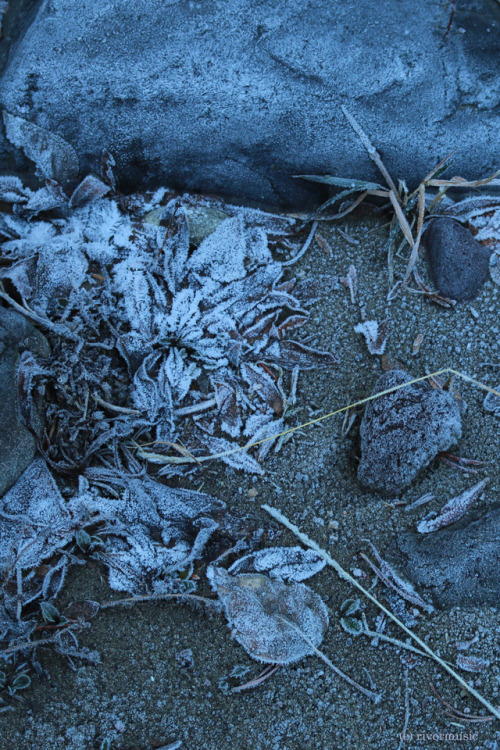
(403, 431)
(17, 445)
(459, 565)
(459, 264)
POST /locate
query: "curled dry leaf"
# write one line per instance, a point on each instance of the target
(453, 510)
(472, 663)
(375, 335)
(351, 282)
(90, 189)
(417, 343)
(293, 353)
(266, 615)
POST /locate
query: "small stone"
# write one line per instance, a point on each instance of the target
(459, 264)
(403, 431)
(459, 565)
(17, 445)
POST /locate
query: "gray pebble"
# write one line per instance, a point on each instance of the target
(403, 431)
(460, 565)
(459, 264)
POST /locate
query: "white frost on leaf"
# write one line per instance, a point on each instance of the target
(268, 617)
(54, 157)
(284, 563)
(222, 254)
(375, 335)
(453, 510)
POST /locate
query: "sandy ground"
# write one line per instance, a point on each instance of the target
(142, 695)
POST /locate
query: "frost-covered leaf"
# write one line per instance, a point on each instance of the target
(157, 530)
(268, 617)
(179, 374)
(34, 520)
(472, 663)
(284, 563)
(238, 459)
(53, 156)
(453, 510)
(375, 335)
(351, 625)
(46, 198)
(492, 402)
(222, 254)
(262, 427)
(229, 409)
(12, 190)
(131, 280)
(174, 244)
(145, 393)
(264, 386)
(293, 353)
(90, 189)
(61, 268)
(105, 228)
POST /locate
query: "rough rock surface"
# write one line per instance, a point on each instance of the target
(17, 445)
(460, 565)
(235, 98)
(459, 264)
(403, 431)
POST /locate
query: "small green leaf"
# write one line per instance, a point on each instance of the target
(351, 625)
(49, 612)
(83, 539)
(21, 682)
(350, 606)
(3, 679)
(105, 745)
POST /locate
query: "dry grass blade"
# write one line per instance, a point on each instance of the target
(372, 151)
(420, 225)
(403, 222)
(375, 697)
(161, 459)
(347, 577)
(460, 182)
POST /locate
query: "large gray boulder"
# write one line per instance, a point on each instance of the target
(236, 97)
(17, 444)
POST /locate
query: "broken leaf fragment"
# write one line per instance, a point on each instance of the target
(375, 335)
(268, 617)
(453, 510)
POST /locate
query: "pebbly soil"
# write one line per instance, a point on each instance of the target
(143, 695)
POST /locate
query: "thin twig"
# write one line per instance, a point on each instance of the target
(305, 247)
(349, 578)
(375, 697)
(372, 151)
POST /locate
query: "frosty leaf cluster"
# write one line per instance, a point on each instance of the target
(169, 318)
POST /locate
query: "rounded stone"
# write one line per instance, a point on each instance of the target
(459, 265)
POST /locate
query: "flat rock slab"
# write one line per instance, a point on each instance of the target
(236, 97)
(459, 565)
(403, 431)
(459, 265)
(17, 445)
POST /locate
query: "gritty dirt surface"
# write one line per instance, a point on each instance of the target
(143, 695)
